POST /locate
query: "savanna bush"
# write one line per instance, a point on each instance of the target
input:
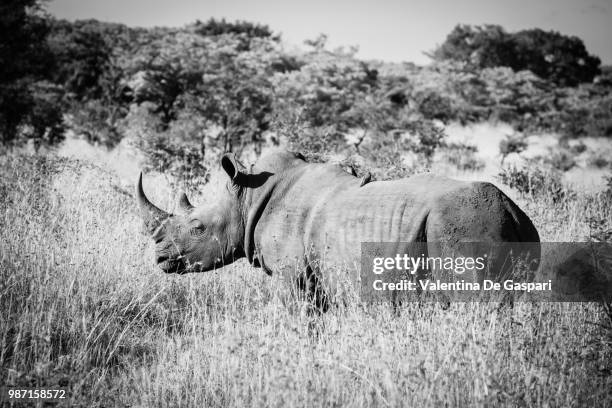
(532, 180)
(235, 78)
(511, 144)
(562, 160)
(600, 161)
(175, 152)
(577, 148)
(462, 156)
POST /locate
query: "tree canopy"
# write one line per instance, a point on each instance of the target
(561, 59)
(216, 86)
(24, 61)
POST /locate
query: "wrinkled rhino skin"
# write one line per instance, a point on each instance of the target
(302, 219)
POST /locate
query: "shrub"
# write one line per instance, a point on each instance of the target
(583, 111)
(608, 180)
(600, 161)
(511, 144)
(578, 148)
(561, 160)
(315, 143)
(182, 161)
(533, 181)
(599, 224)
(432, 105)
(462, 156)
(173, 153)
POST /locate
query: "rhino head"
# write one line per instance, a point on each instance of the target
(199, 239)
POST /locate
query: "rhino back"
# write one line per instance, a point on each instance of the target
(319, 211)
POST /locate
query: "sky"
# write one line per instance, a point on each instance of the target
(390, 30)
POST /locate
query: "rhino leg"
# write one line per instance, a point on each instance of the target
(311, 284)
(306, 292)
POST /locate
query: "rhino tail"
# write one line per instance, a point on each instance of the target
(525, 231)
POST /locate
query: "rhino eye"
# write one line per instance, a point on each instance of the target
(195, 232)
(196, 227)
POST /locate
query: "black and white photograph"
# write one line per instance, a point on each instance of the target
(305, 203)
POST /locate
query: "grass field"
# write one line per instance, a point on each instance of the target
(84, 306)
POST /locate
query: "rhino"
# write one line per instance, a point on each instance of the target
(286, 216)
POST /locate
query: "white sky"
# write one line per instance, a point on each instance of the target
(391, 30)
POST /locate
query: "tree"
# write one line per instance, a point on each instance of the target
(163, 83)
(82, 55)
(206, 93)
(244, 31)
(236, 95)
(87, 66)
(479, 46)
(561, 59)
(24, 59)
(219, 27)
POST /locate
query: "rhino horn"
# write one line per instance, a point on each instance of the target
(184, 203)
(152, 215)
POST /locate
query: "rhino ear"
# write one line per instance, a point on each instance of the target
(184, 203)
(233, 168)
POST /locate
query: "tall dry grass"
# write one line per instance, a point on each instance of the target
(83, 306)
